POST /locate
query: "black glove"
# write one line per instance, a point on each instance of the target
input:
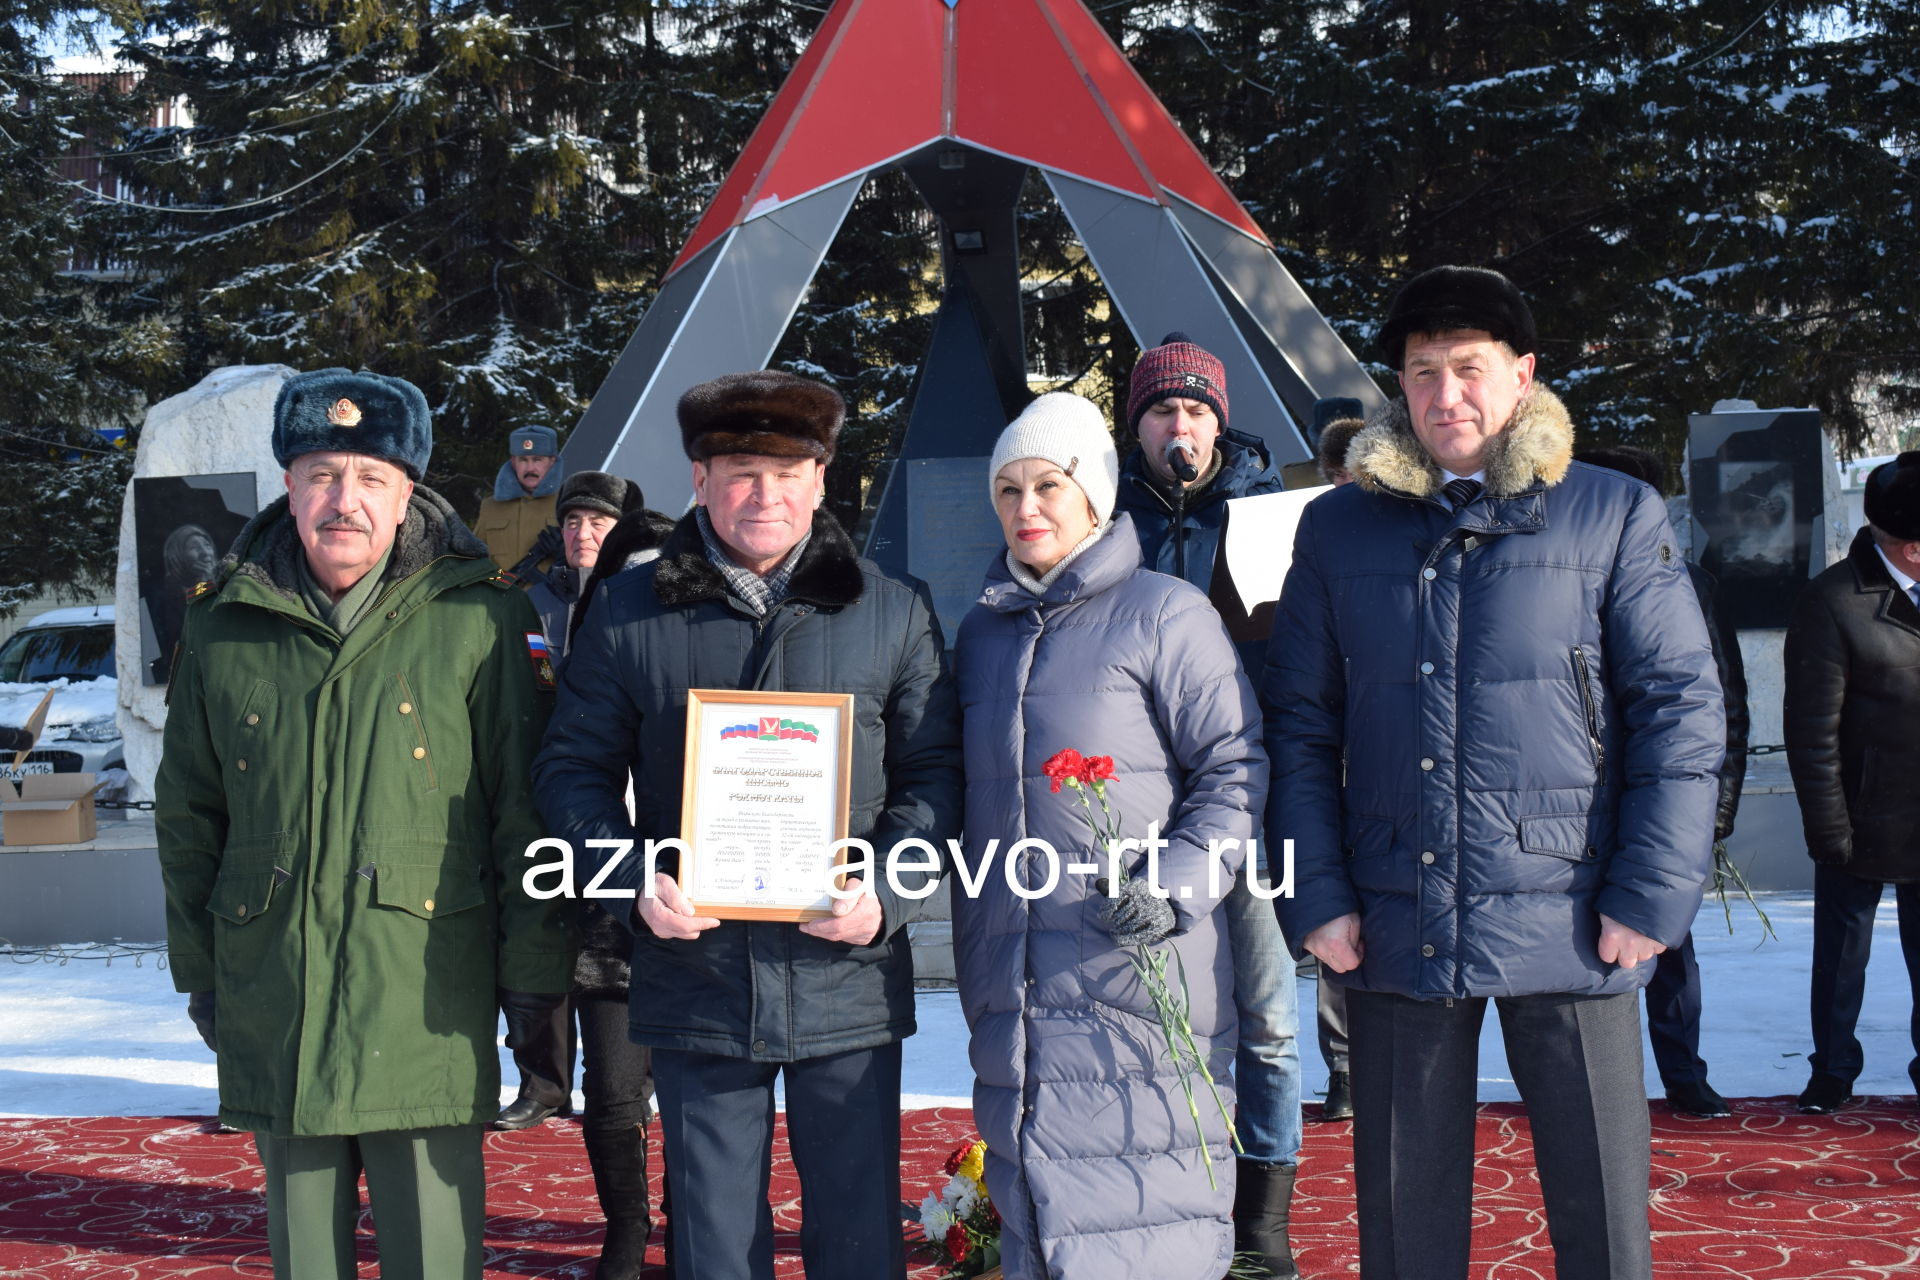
(529, 1014)
(200, 1009)
(547, 545)
(1831, 855)
(1725, 809)
(1135, 917)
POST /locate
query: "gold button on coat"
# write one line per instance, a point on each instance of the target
(406, 708)
(429, 904)
(419, 753)
(253, 717)
(241, 765)
(241, 910)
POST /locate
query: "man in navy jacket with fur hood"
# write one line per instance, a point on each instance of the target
(1495, 729)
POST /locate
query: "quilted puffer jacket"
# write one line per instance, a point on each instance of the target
(1092, 1157)
(1489, 727)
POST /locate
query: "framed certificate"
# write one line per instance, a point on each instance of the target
(764, 798)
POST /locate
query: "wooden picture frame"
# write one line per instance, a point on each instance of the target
(767, 775)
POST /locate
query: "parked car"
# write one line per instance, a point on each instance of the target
(71, 652)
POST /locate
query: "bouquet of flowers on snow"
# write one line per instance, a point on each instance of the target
(960, 1220)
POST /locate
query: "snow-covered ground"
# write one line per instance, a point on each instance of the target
(88, 1038)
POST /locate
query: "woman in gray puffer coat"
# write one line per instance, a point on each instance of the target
(1092, 1157)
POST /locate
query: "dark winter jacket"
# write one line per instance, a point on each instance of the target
(1181, 534)
(1852, 701)
(341, 825)
(1732, 669)
(764, 991)
(1092, 1158)
(633, 541)
(1489, 727)
(605, 942)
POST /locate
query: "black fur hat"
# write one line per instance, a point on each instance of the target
(1329, 410)
(340, 411)
(597, 491)
(767, 412)
(1893, 497)
(1447, 299)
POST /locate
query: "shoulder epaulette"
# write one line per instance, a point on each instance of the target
(202, 589)
(504, 579)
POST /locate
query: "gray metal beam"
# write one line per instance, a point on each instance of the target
(723, 312)
(1320, 362)
(1159, 283)
(977, 192)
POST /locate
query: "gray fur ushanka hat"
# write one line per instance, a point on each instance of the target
(340, 411)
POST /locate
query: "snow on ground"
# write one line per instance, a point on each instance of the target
(90, 1038)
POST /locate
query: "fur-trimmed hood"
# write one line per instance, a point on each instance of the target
(1535, 449)
(268, 549)
(828, 572)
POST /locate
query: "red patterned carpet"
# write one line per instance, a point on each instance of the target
(1765, 1195)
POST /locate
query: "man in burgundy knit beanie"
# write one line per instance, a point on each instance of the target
(1174, 490)
(1177, 368)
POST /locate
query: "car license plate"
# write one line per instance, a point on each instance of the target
(14, 772)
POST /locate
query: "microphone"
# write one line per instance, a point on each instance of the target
(1179, 460)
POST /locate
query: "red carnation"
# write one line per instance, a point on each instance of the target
(1065, 766)
(1099, 768)
(957, 1244)
(955, 1157)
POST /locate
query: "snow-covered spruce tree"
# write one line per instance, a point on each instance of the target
(1659, 178)
(475, 196)
(73, 358)
(1793, 219)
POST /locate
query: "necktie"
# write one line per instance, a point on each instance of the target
(1461, 492)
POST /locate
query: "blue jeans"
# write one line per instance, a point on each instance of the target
(1267, 1067)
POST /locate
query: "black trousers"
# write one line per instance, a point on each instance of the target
(616, 1075)
(545, 1058)
(1673, 1016)
(843, 1127)
(1330, 1010)
(1843, 911)
(1577, 1062)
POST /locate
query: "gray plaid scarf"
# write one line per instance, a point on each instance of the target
(759, 594)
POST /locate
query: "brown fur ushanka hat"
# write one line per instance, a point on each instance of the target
(767, 412)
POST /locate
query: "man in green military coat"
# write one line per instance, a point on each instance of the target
(343, 808)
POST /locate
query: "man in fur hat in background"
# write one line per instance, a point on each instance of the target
(1336, 421)
(516, 523)
(344, 802)
(1491, 698)
(1852, 700)
(759, 589)
(617, 1076)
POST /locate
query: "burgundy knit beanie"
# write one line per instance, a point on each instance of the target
(1177, 369)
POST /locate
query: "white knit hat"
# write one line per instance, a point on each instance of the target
(1068, 431)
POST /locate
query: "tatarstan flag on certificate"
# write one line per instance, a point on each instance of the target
(773, 729)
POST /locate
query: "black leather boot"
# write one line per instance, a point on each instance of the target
(619, 1160)
(1262, 1200)
(1339, 1103)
